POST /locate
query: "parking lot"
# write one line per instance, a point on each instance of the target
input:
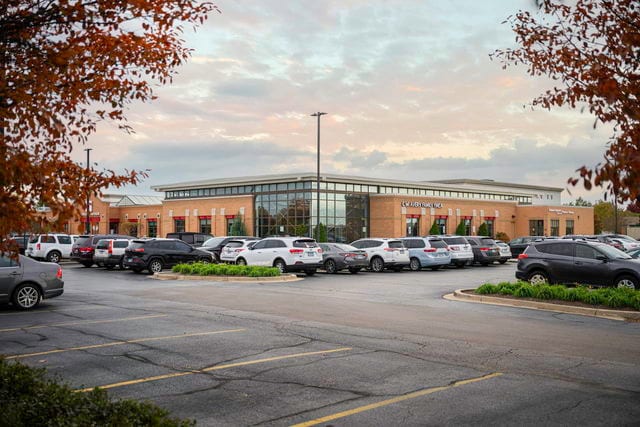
(365, 349)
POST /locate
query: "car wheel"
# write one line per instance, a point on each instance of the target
(121, 263)
(502, 261)
(397, 269)
(460, 264)
(205, 260)
(377, 265)
(538, 278)
(26, 296)
(310, 272)
(627, 282)
(155, 266)
(330, 267)
(53, 256)
(86, 264)
(136, 270)
(241, 261)
(435, 267)
(484, 264)
(109, 267)
(414, 264)
(280, 265)
(354, 270)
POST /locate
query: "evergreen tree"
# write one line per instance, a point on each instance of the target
(237, 227)
(320, 233)
(462, 229)
(483, 230)
(434, 229)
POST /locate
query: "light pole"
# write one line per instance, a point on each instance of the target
(318, 115)
(88, 226)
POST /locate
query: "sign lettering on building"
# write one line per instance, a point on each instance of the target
(408, 204)
(561, 211)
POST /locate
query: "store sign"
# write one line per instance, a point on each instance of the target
(561, 212)
(407, 204)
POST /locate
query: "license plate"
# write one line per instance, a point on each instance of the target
(359, 256)
(129, 259)
(311, 253)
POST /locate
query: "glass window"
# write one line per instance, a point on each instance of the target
(413, 227)
(564, 249)
(205, 225)
(555, 227)
(437, 243)
(152, 228)
(396, 244)
(178, 225)
(441, 223)
(584, 251)
(64, 240)
(569, 227)
(6, 261)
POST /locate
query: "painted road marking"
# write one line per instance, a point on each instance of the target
(58, 310)
(83, 322)
(413, 395)
(213, 368)
(110, 344)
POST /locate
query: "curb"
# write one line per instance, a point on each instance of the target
(174, 276)
(627, 316)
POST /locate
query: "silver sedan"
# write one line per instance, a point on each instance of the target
(25, 282)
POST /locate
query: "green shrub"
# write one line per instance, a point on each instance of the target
(205, 269)
(30, 399)
(559, 292)
(524, 291)
(543, 292)
(593, 298)
(487, 289)
(616, 300)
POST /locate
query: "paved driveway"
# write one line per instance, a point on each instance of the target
(366, 349)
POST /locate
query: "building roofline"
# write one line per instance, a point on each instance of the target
(350, 179)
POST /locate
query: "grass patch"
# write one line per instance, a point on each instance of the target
(204, 269)
(609, 297)
(30, 399)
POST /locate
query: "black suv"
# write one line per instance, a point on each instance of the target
(85, 246)
(190, 237)
(578, 261)
(519, 244)
(156, 254)
(485, 250)
(215, 244)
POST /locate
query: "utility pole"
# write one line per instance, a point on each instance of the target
(318, 115)
(88, 226)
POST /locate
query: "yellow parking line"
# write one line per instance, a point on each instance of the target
(213, 368)
(110, 344)
(83, 322)
(395, 400)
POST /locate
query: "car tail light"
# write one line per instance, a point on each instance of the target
(430, 250)
(485, 249)
(59, 273)
(38, 247)
(296, 251)
(140, 250)
(319, 250)
(87, 249)
(239, 250)
(453, 248)
(523, 256)
(110, 247)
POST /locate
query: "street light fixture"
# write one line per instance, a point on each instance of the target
(318, 115)
(88, 226)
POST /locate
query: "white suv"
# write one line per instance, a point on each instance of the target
(384, 253)
(460, 250)
(110, 252)
(232, 250)
(50, 247)
(286, 253)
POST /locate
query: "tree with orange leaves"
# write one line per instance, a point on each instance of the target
(592, 49)
(67, 65)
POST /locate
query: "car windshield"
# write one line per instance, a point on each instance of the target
(213, 242)
(102, 244)
(235, 244)
(613, 253)
(455, 240)
(396, 244)
(345, 248)
(437, 243)
(488, 242)
(80, 241)
(309, 243)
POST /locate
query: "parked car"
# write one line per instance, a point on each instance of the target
(110, 253)
(340, 256)
(596, 238)
(519, 244)
(49, 247)
(627, 245)
(215, 244)
(190, 237)
(234, 248)
(634, 253)
(285, 253)
(459, 250)
(485, 250)
(84, 247)
(22, 240)
(431, 252)
(384, 253)
(26, 282)
(505, 251)
(156, 254)
(578, 261)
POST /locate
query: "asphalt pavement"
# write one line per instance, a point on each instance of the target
(365, 349)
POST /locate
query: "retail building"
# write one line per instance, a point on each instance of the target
(350, 208)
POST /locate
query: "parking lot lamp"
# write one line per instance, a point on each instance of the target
(88, 225)
(318, 115)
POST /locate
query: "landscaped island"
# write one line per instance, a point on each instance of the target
(619, 298)
(205, 269)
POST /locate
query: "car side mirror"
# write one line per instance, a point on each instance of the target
(251, 248)
(602, 258)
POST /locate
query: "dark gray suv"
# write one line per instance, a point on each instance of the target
(578, 261)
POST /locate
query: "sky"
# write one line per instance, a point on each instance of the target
(408, 86)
